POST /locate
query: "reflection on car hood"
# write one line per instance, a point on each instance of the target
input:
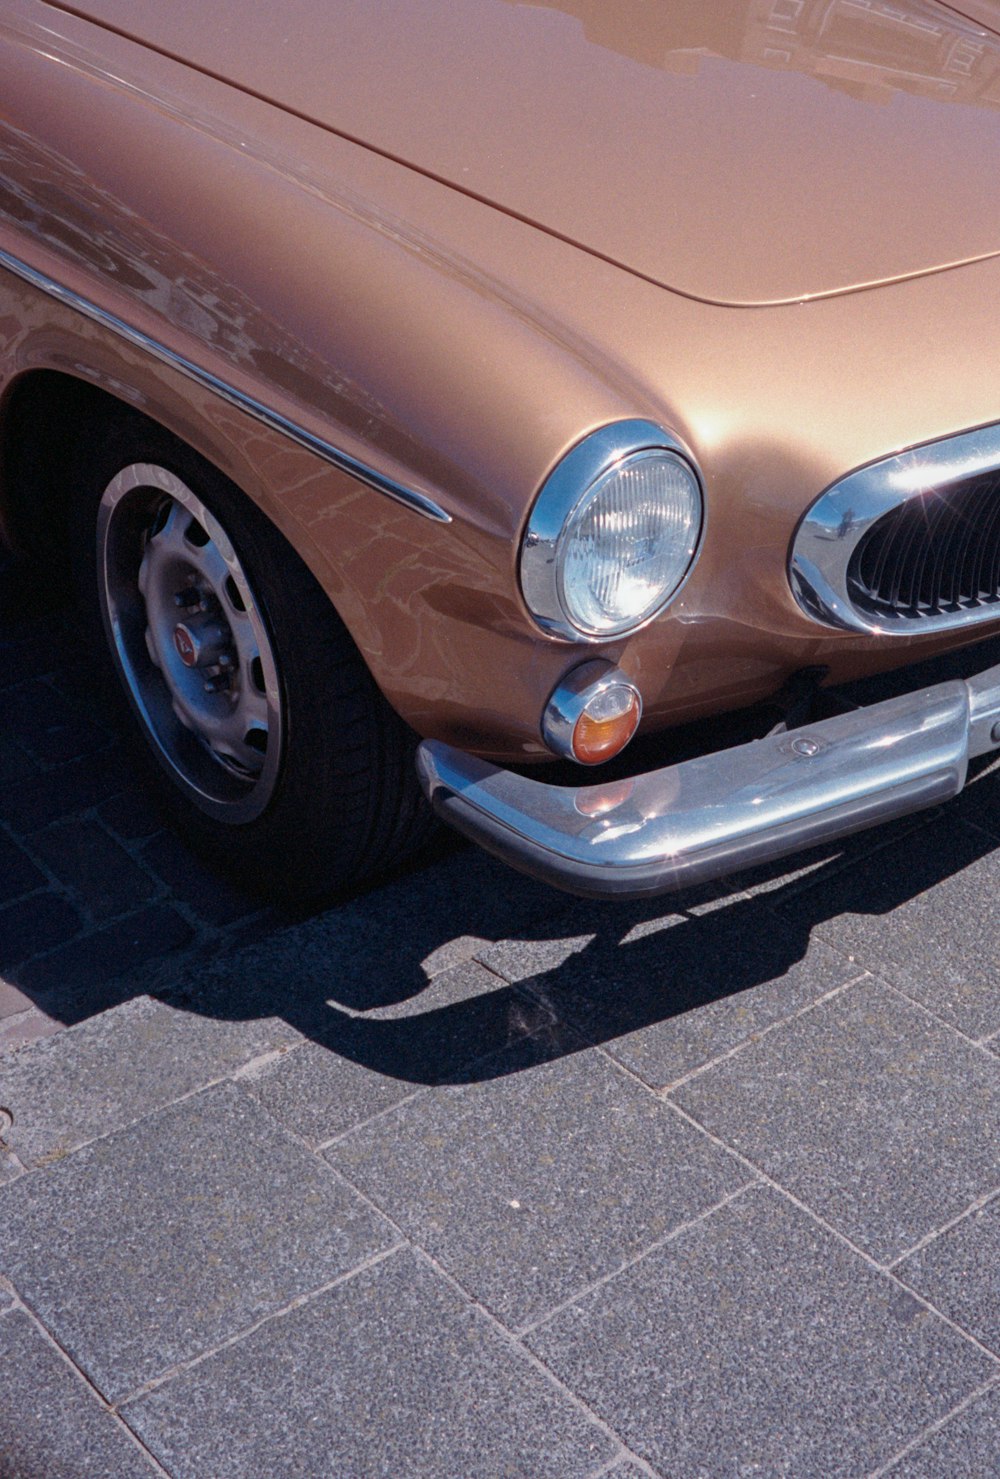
(740, 151)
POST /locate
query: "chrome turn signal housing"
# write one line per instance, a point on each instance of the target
(592, 714)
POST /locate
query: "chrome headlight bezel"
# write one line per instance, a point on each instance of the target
(566, 488)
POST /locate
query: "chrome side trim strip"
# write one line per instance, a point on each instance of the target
(840, 518)
(711, 816)
(409, 497)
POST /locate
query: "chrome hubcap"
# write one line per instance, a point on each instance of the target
(190, 642)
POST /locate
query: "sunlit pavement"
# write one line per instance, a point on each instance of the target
(464, 1177)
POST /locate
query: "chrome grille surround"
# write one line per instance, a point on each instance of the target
(827, 556)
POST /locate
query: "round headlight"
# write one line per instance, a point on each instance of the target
(613, 533)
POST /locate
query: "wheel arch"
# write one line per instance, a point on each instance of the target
(47, 418)
(43, 416)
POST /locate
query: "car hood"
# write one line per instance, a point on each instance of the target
(734, 151)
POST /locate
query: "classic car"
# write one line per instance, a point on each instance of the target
(426, 398)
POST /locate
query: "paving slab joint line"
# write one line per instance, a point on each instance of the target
(528, 1355)
(932, 1237)
(675, 1232)
(834, 1232)
(52, 883)
(240, 1335)
(63, 1354)
(625, 1457)
(40, 1167)
(756, 1037)
(23, 844)
(94, 927)
(974, 826)
(161, 973)
(452, 1078)
(255, 1066)
(316, 1151)
(913, 1001)
(522, 987)
(162, 892)
(935, 1427)
(498, 974)
(363, 1124)
(495, 1322)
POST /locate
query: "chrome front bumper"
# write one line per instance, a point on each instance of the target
(711, 816)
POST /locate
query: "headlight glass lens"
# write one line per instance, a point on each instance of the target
(628, 543)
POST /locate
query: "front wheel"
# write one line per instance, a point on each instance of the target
(271, 746)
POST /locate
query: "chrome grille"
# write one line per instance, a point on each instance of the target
(936, 554)
(912, 540)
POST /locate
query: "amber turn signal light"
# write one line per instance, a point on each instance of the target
(592, 714)
(599, 736)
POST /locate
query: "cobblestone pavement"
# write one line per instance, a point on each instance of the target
(464, 1177)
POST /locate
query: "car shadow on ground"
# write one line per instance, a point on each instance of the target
(590, 973)
(459, 970)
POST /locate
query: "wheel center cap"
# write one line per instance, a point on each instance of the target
(186, 645)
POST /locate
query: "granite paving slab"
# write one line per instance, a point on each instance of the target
(102, 956)
(36, 800)
(358, 1066)
(461, 1015)
(201, 889)
(754, 1342)
(25, 1027)
(52, 1426)
(390, 1373)
(966, 1447)
(979, 802)
(50, 727)
(36, 923)
(12, 1001)
(319, 1093)
(439, 916)
(547, 1174)
(783, 878)
(882, 1119)
(152, 1245)
(18, 874)
(959, 1273)
(669, 993)
(883, 911)
(382, 949)
(113, 1068)
(102, 877)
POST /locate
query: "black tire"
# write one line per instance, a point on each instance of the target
(333, 799)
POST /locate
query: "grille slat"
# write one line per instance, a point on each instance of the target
(936, 553)
(993, 543)
(927, 557)
(971, 517)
